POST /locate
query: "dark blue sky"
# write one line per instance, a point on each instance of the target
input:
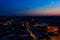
(28, 7)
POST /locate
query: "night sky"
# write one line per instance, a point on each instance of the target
(29, 7)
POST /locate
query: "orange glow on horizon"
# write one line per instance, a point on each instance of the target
(52, 13)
